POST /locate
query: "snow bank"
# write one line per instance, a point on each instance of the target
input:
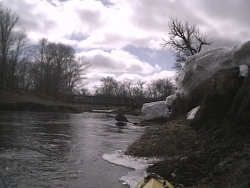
(197, 69)
(155, 110)
(203, 65)
(244, 70)
(170, 99)
(191, 114)
(138, 164)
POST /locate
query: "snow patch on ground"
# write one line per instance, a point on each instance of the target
(155, 110)
(191, 114)
(138, 164)
(244, 70)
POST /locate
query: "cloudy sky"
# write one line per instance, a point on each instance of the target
(121, 38)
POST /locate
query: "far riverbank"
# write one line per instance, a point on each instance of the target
(28, 101)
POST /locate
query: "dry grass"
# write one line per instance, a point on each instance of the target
(171, 139)
(7, 96)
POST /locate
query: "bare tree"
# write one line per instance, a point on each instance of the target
(107, 87)
(184, 40)
(43, 54)
(160, 89)
(16, 57)
(73, 74)
(7, 22)
(125, 89)
(28, 75)
(138, 92)
(62, 55)
(60, 71)
(85, 91)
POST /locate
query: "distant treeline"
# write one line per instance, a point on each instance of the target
(159, 89)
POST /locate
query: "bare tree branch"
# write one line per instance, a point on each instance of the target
(184, 40)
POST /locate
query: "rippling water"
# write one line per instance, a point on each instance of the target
(61, 150)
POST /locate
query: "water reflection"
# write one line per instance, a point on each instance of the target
(60, 150)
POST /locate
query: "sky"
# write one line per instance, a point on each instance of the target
(121, 38)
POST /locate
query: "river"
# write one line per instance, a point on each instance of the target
(62, 150)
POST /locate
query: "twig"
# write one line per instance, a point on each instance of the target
(4, 185)
(197, 169)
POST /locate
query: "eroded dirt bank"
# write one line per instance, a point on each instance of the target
(211, 151)
(191, 159)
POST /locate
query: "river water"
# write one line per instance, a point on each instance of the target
(62, 150)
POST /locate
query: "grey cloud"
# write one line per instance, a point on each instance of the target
(232, 12)
(77, 36)
(33, 21)
(148, 15)
(103, 63)
(106, 2)
(38, 24)
(154, 16)
(224, 42)
(227, 10)
(91, 18)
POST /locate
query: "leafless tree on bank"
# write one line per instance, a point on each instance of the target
(60, 71)
(7, 22)
(160, 89)
(184, 40)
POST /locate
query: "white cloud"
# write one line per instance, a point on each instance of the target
(118, 61)
(161, 75)
(94, 78)
(128, 77)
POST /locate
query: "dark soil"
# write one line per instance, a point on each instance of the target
(191, 159)
(211, 151)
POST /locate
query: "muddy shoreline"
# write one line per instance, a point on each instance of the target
(29, 101)
(193, 158)
(37, 107)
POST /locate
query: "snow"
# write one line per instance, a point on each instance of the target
(139, 165)
(197, 69)
(244, 70)
(170, 99)
(155, 110)
(203, 65)
(191, 114)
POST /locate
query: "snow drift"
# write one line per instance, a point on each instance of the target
(204, 65)
(155, 110)
(199, 68)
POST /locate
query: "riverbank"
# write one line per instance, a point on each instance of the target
(28, 101)
(190, 158)
(213, 149)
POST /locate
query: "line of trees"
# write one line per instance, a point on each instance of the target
(46, 67)
(159, 89)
